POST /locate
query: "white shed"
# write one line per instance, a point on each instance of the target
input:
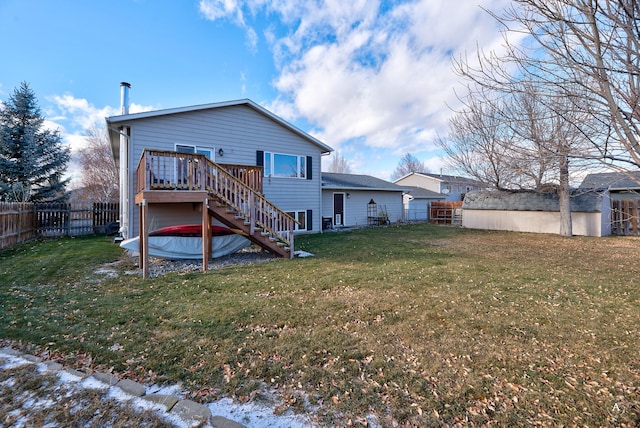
(536, 212)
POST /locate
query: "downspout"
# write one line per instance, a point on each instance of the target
(124, 163)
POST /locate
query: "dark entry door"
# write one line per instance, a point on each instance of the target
(338, 209)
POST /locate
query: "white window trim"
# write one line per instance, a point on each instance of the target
(302, 227)
(198, 149)
(300, 159)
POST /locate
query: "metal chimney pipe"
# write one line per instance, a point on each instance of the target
(124, 97)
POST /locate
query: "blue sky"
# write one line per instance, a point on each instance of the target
(372, 79)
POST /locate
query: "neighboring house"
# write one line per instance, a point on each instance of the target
(621, 185)
(623, 189)
(176, 163)
(359, 200)
(536, 212)
(451, 186)
(417, 202)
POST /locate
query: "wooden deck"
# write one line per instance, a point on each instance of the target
(232, 194)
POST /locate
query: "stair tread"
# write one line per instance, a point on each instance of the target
(220, 208)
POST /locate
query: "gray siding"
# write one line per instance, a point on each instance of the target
(421, 181)
(355, 209)
(171, 214)
(240, 131)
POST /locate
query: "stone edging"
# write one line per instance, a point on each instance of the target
(184, 409)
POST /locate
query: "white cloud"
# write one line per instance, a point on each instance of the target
(80, 112)
(231, 10)
(368, 73)
(218, 9)
(366, 70)
(72, 117)
(82, 115)
(386, 79)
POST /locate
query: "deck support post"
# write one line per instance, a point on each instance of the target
(206, 235)
(144, 238)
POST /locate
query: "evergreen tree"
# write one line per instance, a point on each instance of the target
(32, 159)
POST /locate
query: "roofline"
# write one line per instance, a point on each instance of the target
(622, 188)
(378, 189)
(417, 173)
(122, 119)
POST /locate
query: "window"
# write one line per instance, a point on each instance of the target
(301, 217)
(282, 165)
(183, 148)
(185, 173)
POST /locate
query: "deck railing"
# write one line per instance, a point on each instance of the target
(162, 170)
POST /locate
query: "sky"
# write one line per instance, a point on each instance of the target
(372, 79)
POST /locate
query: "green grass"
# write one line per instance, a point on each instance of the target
(420, 325)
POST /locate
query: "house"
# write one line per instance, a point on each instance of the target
(621, 185)
(536, 212)
(623, 188)
(453, 187)
(359, 200)
(417, 202)
(234, 162)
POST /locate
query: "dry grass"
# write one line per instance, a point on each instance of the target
(419, 325)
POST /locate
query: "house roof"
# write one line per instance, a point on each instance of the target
(114, 121)
(581, 201)
(446, 178)
(333, 180)
(421, 193)
(612, 181)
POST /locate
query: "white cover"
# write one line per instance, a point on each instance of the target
(187, 247)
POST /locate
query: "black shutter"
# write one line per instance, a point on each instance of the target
(309, 166)
(259, 158)
(309, 219)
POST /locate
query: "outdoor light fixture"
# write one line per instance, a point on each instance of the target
(220, 152)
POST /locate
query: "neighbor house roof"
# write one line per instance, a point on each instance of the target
(581, 201)
(333, 180)
(612, 181)
(447, 178)
(422, 193)
(114, 121)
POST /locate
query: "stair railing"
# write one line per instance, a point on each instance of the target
(163, 170)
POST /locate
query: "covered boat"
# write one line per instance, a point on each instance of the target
(185, 242)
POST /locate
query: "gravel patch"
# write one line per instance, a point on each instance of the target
(159, 267)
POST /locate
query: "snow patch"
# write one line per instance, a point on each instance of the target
(253, 415)
(300, 253)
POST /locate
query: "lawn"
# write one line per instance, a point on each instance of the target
(419, 325)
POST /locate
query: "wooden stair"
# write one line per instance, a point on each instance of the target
(237, 222)
(233, 202)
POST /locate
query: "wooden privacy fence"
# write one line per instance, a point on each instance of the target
(625, 217)
(20, 222)
(444, 212)
(17, 223)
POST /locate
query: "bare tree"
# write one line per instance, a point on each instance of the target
(339, 164)
(99, 175)
(478, 141)
(552, 129)
(408, 164)
(586, 50)
(573, 86)
(519, 140)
